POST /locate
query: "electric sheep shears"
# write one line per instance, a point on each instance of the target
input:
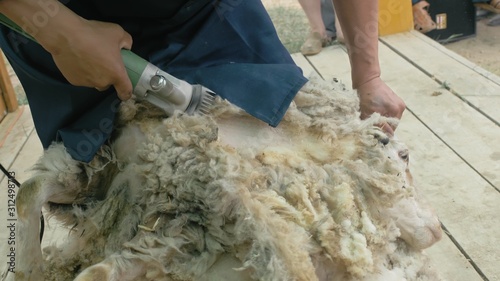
(152, 84)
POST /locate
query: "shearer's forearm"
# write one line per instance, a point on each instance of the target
(48, 21)
(359, 21)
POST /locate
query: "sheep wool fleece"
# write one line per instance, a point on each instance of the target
(304, 201)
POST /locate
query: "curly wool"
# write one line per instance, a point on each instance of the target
(297, 202)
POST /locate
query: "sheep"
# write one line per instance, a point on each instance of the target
(324, 196)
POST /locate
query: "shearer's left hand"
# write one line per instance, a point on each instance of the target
(376, 96)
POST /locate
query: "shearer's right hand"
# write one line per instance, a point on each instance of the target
(86, 52)
(376, 96)
(96, 49)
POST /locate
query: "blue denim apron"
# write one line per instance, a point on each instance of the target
(229, 46)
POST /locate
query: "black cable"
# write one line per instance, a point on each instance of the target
(9, 176)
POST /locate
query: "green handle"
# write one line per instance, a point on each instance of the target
(12, 25)
(134, 64)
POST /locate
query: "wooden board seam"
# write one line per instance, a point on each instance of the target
(442, 83)
(9, 165)
(454, 151)
(476, 68)
(464, 253)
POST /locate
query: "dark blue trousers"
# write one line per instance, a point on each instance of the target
(229, 46)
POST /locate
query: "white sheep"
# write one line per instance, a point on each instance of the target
(324, 196)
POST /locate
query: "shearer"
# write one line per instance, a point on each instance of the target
(75, 77)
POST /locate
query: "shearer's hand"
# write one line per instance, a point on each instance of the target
(376, 96)
(358, 19)
(86, 52)
(96, 51)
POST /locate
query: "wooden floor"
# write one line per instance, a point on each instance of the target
(452, 126)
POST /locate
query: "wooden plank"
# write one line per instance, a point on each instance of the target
(462, 77)
(470, 201)
(468, 132)
(29, 154)
(9, 120)
(27, 157)
(449, 262)
(490, 105)
(491, 76)
(445, 256)
(409, 85)
(15, 136)
(464, 201)
(303, 63)
(333, 62)
(3, 108)
(8, 93)
(450, 116)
